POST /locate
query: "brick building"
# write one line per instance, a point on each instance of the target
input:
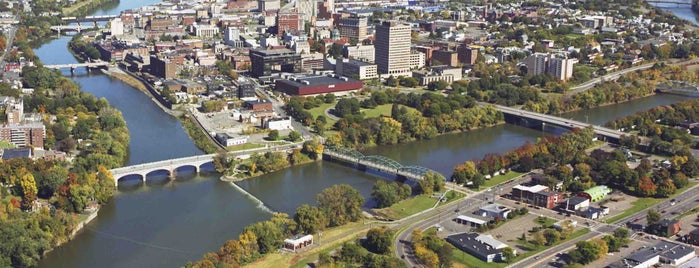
(24, 135)
(537, 195)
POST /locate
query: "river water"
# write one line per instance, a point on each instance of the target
(167, 224)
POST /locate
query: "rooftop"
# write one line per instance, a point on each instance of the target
(318, 80)
(534, 189)
(495, 207)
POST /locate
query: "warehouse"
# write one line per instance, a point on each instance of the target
(317, 84)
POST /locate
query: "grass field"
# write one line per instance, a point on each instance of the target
(320, 110)
(378, 111)
(500, 179)
(407, 207)
(245, 146)
(545, 221)
(643, 203)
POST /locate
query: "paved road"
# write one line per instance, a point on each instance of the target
(615, 75)
(402, 246)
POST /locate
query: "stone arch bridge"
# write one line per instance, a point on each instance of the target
(171, 166)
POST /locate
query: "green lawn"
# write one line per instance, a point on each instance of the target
(407, 207)
(545, 222)
(501, 178)
(643, 203)
(6, 145)
(377, 111)
(320, 110)
(244, 146)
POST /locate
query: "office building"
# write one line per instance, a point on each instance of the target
(392, 46)
(289, 20)
(467, 55)
(265, 61)
(317, 84)
(205, 30)
(163, 68)
(445, 57)
(353, 27)
(356, 69)
(438, 73)
(268, 5)
(307, 9)
(360, 52)
(231, 36)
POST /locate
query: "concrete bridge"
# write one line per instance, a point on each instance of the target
(172, 166)
(89, 18)
(72, 66)
(375, 162)
(674, 2)
(607, 133)
(69, 28)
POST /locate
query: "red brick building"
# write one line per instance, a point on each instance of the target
(317, 84)
(289, 20)
(24, 135)
(445, 57)
(537, 195)
(258, 105)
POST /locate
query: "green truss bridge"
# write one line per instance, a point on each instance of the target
(375, 162)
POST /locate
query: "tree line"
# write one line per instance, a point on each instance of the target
(337, 205)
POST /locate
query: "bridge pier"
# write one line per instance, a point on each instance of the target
(72, 70)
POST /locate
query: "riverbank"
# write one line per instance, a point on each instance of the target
(85, 7)
(233, 178)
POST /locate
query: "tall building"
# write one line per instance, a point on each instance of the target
(467, 55)
(353, 27)
(307, 9)
(536, 63)
(231, 36)
(268, 5)
(561, 69)
(163, 68)
(393, 48)
(116, 26)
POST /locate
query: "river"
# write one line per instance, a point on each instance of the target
(167, 224)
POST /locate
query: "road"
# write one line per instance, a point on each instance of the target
(401, 244)
(615, 75)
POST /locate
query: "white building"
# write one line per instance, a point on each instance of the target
(357, 69)
(536, 63)
(205, 30)
(278, 123)
(360, 52)
(438, 73)
(307, 9)
(417, 60)
(231, 140)
(116, 26)
(561, 69)
(231, 36)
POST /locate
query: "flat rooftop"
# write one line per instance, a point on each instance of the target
(272, 52)
(317, 80)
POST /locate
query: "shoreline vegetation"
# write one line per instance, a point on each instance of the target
(85, 7)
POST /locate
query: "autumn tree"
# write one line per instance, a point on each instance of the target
(646, 187)
(28, 187)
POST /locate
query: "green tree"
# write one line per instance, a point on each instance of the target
(508, 254)
(552, 236)
(221, 161)
(273, 135)
(310, 219)
(388, 193)
(341, 204)
(653, 216)
(584, 253)
(379, 240)
(294, 136)
(437, 85)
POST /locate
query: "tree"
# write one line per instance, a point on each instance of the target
(346, 107)
(379, 240)
(104, 187)
(341, 204)
(552, 236)
(294, 136)
(388, 193)
(221, 161)
(48, 183)
(508, 254)
(653, 216)
(538, 239)
(273, 135)
(430, 183)
(28, 187)
(584, 253)
(665, 188)
(437, 85)
(310, 219)
(646, 187)
(213, 106)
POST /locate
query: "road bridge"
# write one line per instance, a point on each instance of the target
(606, 133)
(89, 18)
(375, 162)
(674, 2)
(69, 28)
(172, 166)
(77, 65)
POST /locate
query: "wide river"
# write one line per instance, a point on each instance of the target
(169, 223)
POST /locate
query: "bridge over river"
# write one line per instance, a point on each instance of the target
(375, 162)
(72, 66)
(604, 132)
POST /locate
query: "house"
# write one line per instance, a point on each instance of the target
(664, 228)
(576, 203)
(298, 242)
(494, 211)
(472, 220)
(483, 247)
